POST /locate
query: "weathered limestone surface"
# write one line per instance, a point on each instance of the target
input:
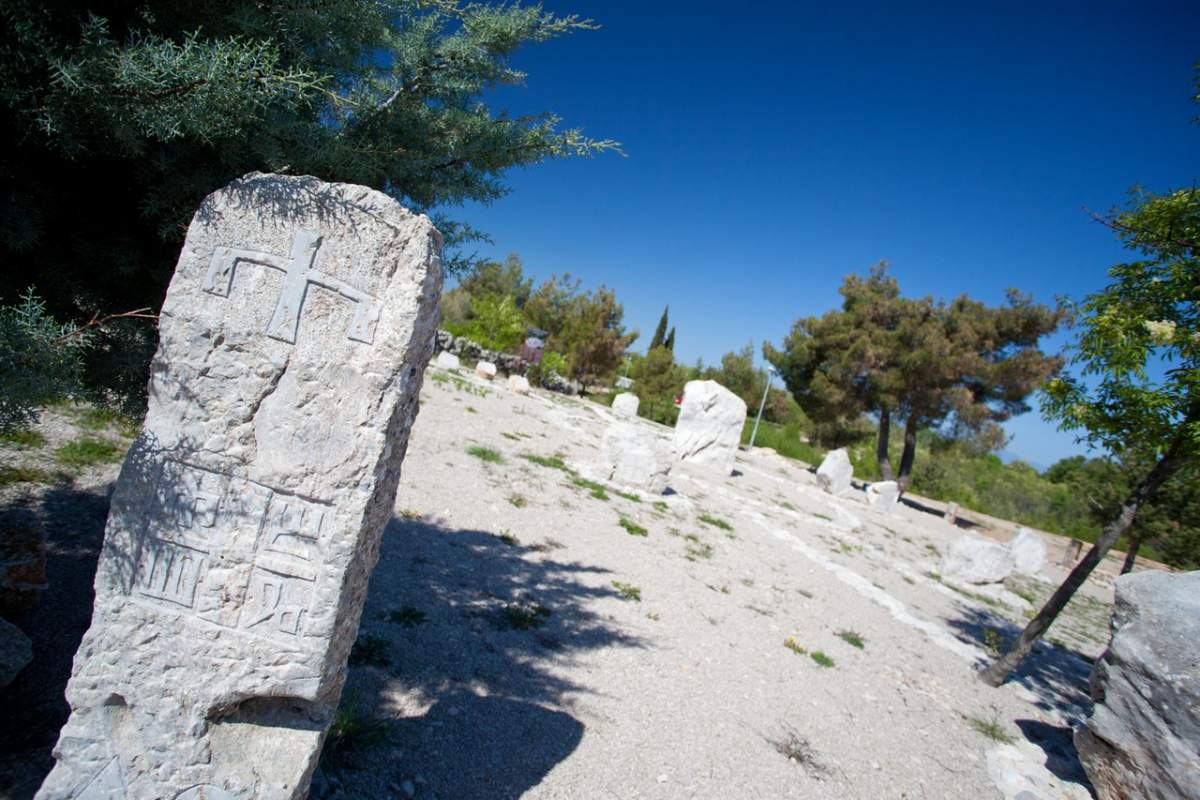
(632, 455)
(709, 427)
(247, 516)
(447, 360)
(625, 405)
(835, 473)
(976, 560)
(485, 370)
(1028, 551)
(15, 652)
(883, 496)
(1143, 738)
(518, 384)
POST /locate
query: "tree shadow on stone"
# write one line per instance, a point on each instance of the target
(1057, 742)
(462, 655)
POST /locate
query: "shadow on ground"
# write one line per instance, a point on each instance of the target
(1057, 677)
(454, 690)
(34, 707)
(458, 665)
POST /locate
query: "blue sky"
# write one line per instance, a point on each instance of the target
(771, 153)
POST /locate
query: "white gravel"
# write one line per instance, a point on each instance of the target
(689, 692)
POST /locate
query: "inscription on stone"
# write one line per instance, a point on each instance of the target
(299, 272)
(248, 514)
(211, 515)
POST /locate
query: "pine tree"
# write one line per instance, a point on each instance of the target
(660, 332)
(670, 342)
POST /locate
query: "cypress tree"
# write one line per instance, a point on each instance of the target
(661, 331)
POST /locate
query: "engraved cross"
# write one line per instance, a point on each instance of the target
(298, 274)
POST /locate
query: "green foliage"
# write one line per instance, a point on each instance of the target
(10, 475)
(485, 454)
(628, 591)
(351, 732)
(716, 522)
(991, 728)
(22, 438)
(41, 361)
(851, 638)
(657, 381)
(552, 462)
(632, 528)
(87, 451)
(596, 490)
(496, 324)
(821, 659)
(135, 111)
(633, 498)
(1138, 351)
(524, 615)
(660, 333)
(929, 363)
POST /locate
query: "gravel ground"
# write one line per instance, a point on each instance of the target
(519, 640)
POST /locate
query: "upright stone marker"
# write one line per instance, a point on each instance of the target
(247, 516)
(709, 427)
(836, 474)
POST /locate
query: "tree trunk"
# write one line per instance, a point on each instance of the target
(1135, 542)
(999, 669)
(881, 447)
(910, 452)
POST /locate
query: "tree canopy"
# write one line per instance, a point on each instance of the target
(932, 364)
(121, 117)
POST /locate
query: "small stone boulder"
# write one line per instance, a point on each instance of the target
(1143, 738)
(973, 560)
(625, 405)
(517, 384)
(709, 427)
(835, 473)
(632, 455)
(485, 370)
(15, 652)
(447, 360)
(1028, 551)
(883, 496)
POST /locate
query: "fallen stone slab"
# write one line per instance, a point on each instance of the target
(485, 370)
(247, 516)
(835, 473)
(625, 405)
(16, 651)
(709, 427)
(447, 360)
(1143, 738)
(883, 496)
(633, 456)
(974, 560)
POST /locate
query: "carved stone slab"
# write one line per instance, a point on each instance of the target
(247, 516)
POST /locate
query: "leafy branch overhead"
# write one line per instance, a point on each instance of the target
(136, 111)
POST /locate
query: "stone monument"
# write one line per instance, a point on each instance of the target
(1143, 738)
(709, 427)
(632, 455)
(882, 496)
(247, 516)
(625, 405)
(835, 475)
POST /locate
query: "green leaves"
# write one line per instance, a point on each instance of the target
(1138, 350)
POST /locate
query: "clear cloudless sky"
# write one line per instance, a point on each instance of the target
(774, 148)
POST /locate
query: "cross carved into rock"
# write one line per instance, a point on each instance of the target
(298, 274)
